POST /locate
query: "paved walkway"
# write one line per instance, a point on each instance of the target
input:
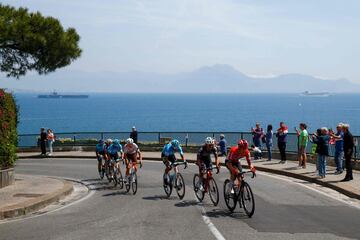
(30, 193)
(351, 189)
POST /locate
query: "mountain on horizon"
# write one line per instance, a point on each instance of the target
(218, 78)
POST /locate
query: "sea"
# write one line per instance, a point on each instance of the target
(185, 112)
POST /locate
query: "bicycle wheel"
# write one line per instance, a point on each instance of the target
(134, 183)
(213, 191)
(167, 185)
(128, 183)
(119, 179)
(229, 196)
(196, 183)
(180, 185)
(247, 199)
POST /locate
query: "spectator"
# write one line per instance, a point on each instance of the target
(222, 145)
(50, 140)
(303, 137)
(322, 142)
(134, 135)
(348, 151)
(257, 135)
(269, 141)
(43, 138)
(281, 134)
(339, 148)
(257, 152)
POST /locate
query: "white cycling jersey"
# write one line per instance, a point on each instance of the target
(130, 148)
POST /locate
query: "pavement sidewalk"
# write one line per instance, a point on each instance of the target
(350, 189)
(30, 193)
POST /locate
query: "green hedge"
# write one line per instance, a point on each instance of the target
(8, 130)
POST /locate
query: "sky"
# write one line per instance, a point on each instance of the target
(257, 37)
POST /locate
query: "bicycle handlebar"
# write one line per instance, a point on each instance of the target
(175, 164)
(243, 173)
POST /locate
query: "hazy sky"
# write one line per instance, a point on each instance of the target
(257, 37)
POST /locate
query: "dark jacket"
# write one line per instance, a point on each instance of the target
(322, 144)
(134, 136)
(348, 142)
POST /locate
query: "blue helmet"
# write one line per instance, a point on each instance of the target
(116, 142)
(175, 143)
(101, 141)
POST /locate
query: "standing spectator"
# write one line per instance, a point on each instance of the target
(257, 135)
(281, 134)
(303, 137)
(348, 151)
(339, 148)
(134, 135)
(222, 145)
(43, 139)
(322, 142)
(269, 141)
(50, 140)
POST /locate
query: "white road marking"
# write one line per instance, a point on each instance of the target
(217, 234)
(23, 218)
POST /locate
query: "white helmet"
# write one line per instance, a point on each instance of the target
(209, 140)
(109, 141)
(129, 141)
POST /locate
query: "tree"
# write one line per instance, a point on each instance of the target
(30, 41)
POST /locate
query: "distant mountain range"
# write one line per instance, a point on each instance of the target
(210, 79)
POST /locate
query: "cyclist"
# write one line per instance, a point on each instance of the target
(113, 153)
(131, 153)
(168, 155)
(233, 160)
(100, 151)
(204, 157)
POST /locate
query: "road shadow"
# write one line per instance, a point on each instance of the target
(186, 203)
(220, 213)
(271, 163)
(117, 193)
(158, 197)
(92, 179)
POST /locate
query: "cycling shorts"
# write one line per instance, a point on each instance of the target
(170, 158)
(205, 163)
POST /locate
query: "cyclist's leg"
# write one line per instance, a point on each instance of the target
(99, 158)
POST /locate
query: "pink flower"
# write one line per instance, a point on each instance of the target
(2, 93)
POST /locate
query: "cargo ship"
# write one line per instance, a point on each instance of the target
(54, 94)
(315, 94)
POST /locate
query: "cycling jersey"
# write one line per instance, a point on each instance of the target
(100, 148)
(169, 150)
(235, 155)
(131, 149)
(205, 155)
(114, 149)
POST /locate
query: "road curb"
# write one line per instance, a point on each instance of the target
(339, 189)
(38, 203)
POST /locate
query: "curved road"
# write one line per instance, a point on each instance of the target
(283, 210)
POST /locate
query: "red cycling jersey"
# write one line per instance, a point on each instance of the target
(235, 155)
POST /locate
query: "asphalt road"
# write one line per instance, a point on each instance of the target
(283, 210)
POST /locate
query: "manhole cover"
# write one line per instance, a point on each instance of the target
(28, 195)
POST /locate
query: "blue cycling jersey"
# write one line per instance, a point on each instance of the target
(114, 148)
(100, 148)
(169, 150)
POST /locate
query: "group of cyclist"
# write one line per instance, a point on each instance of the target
(112, 150)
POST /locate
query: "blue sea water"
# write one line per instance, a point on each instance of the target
(185, 112)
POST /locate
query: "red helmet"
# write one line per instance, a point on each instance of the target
(243, 144)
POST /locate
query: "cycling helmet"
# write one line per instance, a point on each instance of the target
(109, 141)
(209, 140)
(175, 143)
(243, 144)
(116, 142)
(129, 141)
(101, 141)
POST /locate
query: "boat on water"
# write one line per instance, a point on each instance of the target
(54, 94)
(315, 94)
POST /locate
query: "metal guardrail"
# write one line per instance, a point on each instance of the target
(186, 138)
